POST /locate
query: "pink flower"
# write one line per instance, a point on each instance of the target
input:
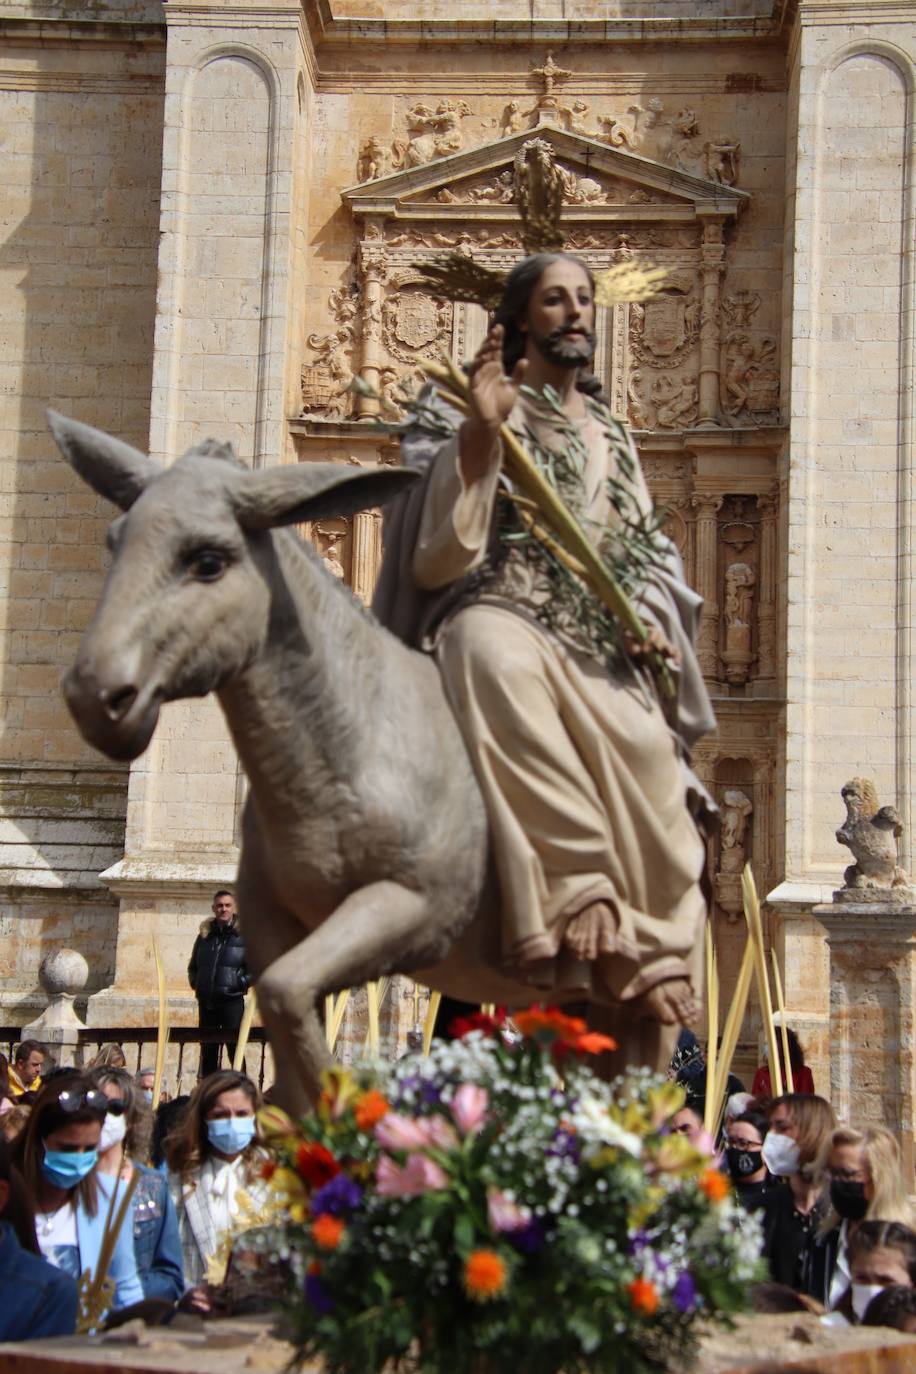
(705, 1144)
(469, 1108)
(504, 1215)
(440, 1133)
(396, 1132)
(419, 1175)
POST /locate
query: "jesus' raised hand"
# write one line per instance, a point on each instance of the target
(492, 397)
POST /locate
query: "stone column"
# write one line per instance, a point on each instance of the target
(372, 352)
(713, 260)
(766, 590)
(873, 1016)
(707, 506)
(366, 549)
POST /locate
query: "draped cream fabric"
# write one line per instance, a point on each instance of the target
(584, 779)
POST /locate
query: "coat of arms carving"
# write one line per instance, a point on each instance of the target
(664, 330)
(415, 324)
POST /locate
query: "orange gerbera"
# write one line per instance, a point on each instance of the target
(327, 1231)
(484, 1275)
(594, 1043)
(643, 1297)
(369, 1109)
(565, 1033)
(714, 1185)
(551, 1019)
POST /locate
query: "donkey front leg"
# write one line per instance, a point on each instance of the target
(379, 928)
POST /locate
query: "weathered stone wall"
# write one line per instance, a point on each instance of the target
(82, 137)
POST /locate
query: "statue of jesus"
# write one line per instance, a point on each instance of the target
(595, 816)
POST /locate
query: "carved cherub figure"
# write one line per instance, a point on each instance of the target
(871, 832)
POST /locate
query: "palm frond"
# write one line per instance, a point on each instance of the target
(461, 279)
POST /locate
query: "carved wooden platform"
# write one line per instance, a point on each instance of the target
(758, 1345)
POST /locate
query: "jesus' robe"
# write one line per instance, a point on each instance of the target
(585, 774)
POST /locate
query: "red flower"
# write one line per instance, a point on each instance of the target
(643, 1297)
(477, 1021)
(316, 1164)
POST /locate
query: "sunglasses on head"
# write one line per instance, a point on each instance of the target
(93, 1100)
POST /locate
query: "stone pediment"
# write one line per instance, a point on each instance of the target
(602, 182)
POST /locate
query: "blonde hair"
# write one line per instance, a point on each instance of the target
(813, 1118)
(884, 1166)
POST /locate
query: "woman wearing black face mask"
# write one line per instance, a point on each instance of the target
(864, 1172)
(744, 1160)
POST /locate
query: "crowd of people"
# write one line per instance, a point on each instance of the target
(838, 1227)
(838, 1224)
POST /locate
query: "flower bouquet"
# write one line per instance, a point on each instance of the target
(497, 1206)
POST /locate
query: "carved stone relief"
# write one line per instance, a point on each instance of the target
(331, 539)
(750, 378)
(415, 325)
(664, 330)
(327, 378)
(737, 655)
(676, 140)
(750, 371)
(741, 786)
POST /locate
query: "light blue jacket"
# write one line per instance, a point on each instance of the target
(89, 1232)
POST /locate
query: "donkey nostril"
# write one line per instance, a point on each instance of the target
(117, 704)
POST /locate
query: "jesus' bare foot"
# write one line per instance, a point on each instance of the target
(591, 932)
(672, 1003)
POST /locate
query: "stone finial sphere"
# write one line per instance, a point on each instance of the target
(64, 971)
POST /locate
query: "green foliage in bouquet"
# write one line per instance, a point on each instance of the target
(497, 1202)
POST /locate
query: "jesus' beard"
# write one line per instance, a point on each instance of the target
(563, 348)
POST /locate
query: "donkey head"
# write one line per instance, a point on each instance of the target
(186, 604)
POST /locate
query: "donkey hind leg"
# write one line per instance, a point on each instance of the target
(376, 929)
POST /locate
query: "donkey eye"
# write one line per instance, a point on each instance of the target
(207, 565)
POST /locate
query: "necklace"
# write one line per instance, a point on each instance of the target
(44, 1221)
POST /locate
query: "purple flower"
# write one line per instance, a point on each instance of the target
(338, 1197)
(318, 1295)
(564, 1146)
(640, 1242)
(684, 1292)
(528, 1238)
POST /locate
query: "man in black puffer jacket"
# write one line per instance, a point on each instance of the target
(219, 976)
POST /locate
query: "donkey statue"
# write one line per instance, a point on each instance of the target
(364, 838)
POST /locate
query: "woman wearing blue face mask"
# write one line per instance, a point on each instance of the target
(122, 1148)
(57, 1154)
(213, 1156)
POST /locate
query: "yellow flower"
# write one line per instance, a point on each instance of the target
(663, 1102)
(338, 1088)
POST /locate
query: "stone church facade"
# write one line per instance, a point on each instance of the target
(213, 213)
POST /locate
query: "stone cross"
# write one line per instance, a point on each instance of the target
(550, 75)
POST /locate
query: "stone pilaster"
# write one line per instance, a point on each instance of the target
(766, 592)
(873, 1016)
(372, 351)
(713, 265)
(232, 211)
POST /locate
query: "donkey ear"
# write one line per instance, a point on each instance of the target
(112, 468)
(315, 491)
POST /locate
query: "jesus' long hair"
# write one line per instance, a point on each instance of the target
(521, 281)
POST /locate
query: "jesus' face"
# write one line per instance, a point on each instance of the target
(560, 321)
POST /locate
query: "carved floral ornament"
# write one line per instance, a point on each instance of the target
(657, 130)
(616, 205)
